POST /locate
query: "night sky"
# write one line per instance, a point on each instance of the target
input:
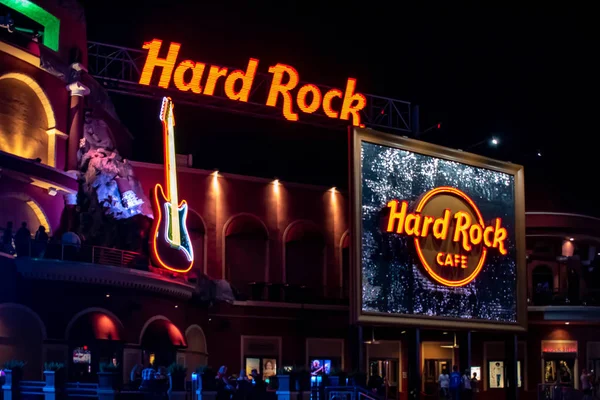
(524, 74)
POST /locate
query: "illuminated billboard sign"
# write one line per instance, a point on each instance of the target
(285, 90)
(438, 234)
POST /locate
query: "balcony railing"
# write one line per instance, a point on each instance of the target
(281, 292)
(84, 253)
(564, 297)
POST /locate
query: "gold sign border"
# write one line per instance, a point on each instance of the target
(356, 137)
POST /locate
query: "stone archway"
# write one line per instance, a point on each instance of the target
(27, 121)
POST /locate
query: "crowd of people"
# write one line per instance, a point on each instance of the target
(154, 383)
(21, 243)
(455, 386)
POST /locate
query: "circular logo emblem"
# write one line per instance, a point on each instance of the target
(451, 238)
(446, 261)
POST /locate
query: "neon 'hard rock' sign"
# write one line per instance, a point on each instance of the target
(200, 78)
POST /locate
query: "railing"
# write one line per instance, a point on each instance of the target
(563, 297)
(31, 389)
(349, 393)
(81, 253)
(280, 292)
(81, 390)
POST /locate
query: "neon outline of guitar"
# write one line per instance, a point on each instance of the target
(175, 252)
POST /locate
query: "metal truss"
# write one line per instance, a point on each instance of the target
(118, 69)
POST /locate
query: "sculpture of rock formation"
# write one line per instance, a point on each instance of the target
(111, 197)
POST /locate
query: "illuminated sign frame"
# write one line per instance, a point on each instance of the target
(202, 79)
(358, 136)
(469, 233)
(51, 24)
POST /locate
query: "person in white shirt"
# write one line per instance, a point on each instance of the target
(466, 386)
(444, 382)
(586, 382)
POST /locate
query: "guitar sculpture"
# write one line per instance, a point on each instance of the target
(170, 242)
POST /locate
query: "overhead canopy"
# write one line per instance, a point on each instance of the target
(96, 325)
(162, 332)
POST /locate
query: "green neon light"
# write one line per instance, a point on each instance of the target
(36, 13)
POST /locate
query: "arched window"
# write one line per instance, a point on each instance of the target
(345, 265)
(197, 231)
(160, 340)
(22, 333)
(304, 255)
(196, 352)
(542, 284)
(246, 249)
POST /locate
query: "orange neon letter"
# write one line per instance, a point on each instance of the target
(316, 98)
(427, 221)
(247, 79)
(463, 221)
(353, 103)
(439, 257)
(395, 215)
(277, 87)
(413, 224)
(214, 73)
(489, 230)
(499, 237)
(441, 226)
(330, 112)
(475, 234)
(153, 61)
(194, 83)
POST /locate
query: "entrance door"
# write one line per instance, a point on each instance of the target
(595, 369)
(387, 369)
(432, 370)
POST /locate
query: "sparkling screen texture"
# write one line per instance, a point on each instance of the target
(393, 281)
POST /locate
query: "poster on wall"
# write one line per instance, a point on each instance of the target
(496, 374)
(476, 373)
(269, 367)
(252, 363)
(437, 234)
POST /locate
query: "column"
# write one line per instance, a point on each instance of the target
(511, 348)
(414, 364)
(78, 91)
(70, 205)
(464, 351)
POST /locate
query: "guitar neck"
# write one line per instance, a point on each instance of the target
(171, 179)
(170, 162)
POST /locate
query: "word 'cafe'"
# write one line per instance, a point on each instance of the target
(187, 76)
(437, 213)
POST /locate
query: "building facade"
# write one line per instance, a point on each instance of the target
(269, 286)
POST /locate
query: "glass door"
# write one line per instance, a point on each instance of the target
(432, 370)
(387, 371)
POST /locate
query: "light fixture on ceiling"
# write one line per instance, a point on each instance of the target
(372, 341)
(451, 346)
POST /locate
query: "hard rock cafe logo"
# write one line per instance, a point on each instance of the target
(451, 238)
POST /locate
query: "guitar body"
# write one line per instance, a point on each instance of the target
(177, 258)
